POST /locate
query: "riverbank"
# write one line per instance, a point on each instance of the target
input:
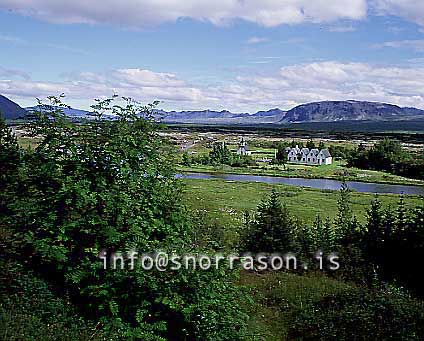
(336, 171)
(320, 184)
(225, 202)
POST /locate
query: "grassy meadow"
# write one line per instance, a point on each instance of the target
(225, 201)
(278, 296)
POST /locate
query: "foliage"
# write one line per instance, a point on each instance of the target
(31, 310)
(220, 154)
(394, 241)
(108, 185)
(310, 144)
(186, 160)
(358, 314)
(388, 155)
(272, 228)
(281, 156)
(9, 161)
(345, 220)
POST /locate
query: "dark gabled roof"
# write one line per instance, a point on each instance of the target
(326, 153)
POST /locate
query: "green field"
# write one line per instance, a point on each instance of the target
(337, 171)
(278, 296)
(225, 201)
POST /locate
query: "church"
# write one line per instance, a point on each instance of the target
(243, 149)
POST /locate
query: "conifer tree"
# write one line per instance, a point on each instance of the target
(272, 229)
(401, 214)
(373, 234)
(343, 221)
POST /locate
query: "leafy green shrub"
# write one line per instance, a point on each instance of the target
(109, 185)
(359, 314)
(30, 310)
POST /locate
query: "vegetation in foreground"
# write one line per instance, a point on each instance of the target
(110, 185)
(375, 292)
(104, 186)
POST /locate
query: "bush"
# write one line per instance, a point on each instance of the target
(108, 186)
(359, 314)
(30, 310)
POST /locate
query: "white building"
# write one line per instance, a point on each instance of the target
(243, 148)
(309, 157)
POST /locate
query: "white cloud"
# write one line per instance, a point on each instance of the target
(268, 13)
(284, 88)
(342, 29)
(136, 83)
(142, 13)
(340, 81)
(417, 44)
(257, 40)
(12, 73)
(412, 10)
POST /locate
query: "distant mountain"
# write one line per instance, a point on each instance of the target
(196, 116)
(221, 117)
(71, 112)
(270, 113)
(334, 111)
(326, 111)
(10, 110)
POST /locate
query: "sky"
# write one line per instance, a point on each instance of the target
(239, 55)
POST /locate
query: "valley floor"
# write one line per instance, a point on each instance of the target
(224, 202)
(279, 297)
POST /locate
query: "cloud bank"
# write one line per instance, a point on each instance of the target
(145, 13)
(284, 88)
(411, 10)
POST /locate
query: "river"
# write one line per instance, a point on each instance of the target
(365, 187)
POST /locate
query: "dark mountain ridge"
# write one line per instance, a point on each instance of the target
(326, 111)
(334, 111)
(10, 110)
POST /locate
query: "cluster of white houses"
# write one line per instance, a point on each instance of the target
(296, 155)
(309, 156)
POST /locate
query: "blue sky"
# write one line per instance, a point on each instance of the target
(242, 56)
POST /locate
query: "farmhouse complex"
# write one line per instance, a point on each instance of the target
(309, 156)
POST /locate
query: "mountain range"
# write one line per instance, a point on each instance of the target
(325, 111)
(10, 110)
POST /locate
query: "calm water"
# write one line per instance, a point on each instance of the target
(366, 187)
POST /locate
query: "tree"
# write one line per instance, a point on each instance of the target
(9, 162)
(310, 144)
(344, 216)
(401, 215)
(281, 155)
(324, 235)
(272, 229)
(186, 160)
(108, 186)
(220, 154)
(374, 233)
